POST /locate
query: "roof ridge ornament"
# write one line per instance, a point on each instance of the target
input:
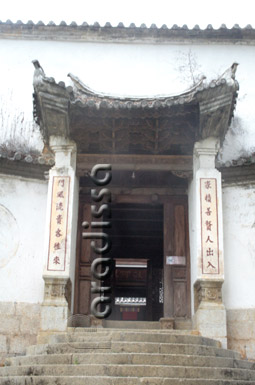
(229, 73)
(39, 74)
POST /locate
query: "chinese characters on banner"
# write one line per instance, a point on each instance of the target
(209, 226)
(58, 223)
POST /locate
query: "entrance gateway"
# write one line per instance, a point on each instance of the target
(150, 248)
(162, 151)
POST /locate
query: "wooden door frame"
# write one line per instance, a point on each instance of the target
(143, 199)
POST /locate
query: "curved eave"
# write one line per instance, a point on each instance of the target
(86, 98)
(204, 110)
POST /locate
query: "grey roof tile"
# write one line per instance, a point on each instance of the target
(31, 157)
(28, 159)
(61, 84)
(132, 25)
(131, 33)
(17, 155)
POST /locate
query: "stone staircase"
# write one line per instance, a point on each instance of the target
(127, 357)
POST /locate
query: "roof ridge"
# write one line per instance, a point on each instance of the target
(153, 26)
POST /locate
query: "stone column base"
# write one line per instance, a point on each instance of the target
(210, 316)
(166, 323)
(210, 320)
(55, 308)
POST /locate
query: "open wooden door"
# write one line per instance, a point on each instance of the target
(83, 263)
(176, 259)
(168, 281)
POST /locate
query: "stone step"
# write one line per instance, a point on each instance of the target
(154, 325)
(43, 337)
(130, 358)
(130, 330)
(130, 347)
(129, 371)
(97, 356)
(99, 380)
(132, 336)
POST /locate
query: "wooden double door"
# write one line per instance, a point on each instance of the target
(141, 230)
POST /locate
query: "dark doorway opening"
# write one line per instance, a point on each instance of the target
(148, 237)
(137, 254)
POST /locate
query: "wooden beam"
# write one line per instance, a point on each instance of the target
(136, 162)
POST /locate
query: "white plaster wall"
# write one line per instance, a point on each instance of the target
(239, 245)
(131, 69)
(23, 200)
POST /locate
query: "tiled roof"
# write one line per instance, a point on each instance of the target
(131, 33)
(205, 109)
(30, 157)
(85, 97)
(241, 161)
(121, 25)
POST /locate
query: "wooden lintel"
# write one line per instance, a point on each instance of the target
(182, 163)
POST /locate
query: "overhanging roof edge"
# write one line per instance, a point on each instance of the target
(216, 102)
